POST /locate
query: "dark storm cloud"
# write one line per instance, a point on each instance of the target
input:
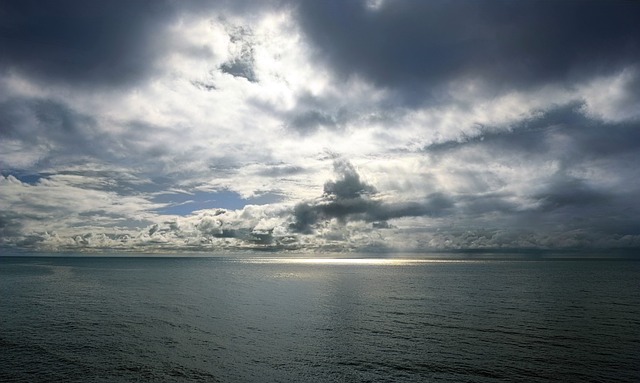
(81, 42)
(417, 44)
(349, 199)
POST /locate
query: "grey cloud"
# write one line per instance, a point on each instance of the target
(10, 227)
(240, 67)
(571, 203)
(586, 153)
(381, 225)
(62, 135)
(350, 199)
(101, 43)
(136, 139)
(311, 120)
(349, 186)
(243, 62)
(80, 42)
(65, 138)
(434, 205)
(517, 240)
(50, 126)
(477, 205)
(305, 215)
(632, 91)
(206, 86)
(29, 119)
(571, 192)
(585, 138)
(118, 181)
(526, 135)
(411, 45)
(313, 112)
(606, 139)
(280, 170)
(214, 229)
(587, 198)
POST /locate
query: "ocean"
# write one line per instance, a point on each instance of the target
(264, 318)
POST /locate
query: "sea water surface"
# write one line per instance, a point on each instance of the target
(297, 319)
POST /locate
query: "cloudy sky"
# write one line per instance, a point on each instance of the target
(319, 125)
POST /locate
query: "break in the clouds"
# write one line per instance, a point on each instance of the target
(319, 125)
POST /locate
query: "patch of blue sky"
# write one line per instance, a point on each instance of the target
(185, 204)
(27, 178)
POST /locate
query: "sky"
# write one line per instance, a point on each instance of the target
(357, 125)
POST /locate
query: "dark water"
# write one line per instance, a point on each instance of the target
(266, 320)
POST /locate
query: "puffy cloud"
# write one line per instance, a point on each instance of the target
(350, 199)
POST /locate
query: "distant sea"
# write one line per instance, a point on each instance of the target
(264, 318)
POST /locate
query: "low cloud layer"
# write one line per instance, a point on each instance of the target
(319, 126)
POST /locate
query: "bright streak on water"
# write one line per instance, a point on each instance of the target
(347, 261)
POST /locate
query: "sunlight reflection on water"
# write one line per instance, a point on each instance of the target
(347, 261)
(318, 317)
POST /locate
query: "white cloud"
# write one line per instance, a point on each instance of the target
(613, 98)
(67, 204)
